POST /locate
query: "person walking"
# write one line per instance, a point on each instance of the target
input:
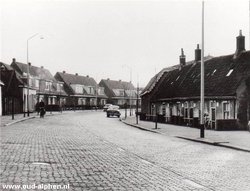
(42, 109)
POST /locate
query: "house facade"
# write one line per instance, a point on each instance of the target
(175, 96)
(83, 91)
(39, 84)
(119, 92)
(12, 90)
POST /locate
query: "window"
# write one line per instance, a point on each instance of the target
(48, 85)
(79, 89)
(58, 87)
(229, 73)
(91, 90)
(226, 110)
(101, 91)
(121, 92)
(81, 101)
(37, 83)
(213, 72)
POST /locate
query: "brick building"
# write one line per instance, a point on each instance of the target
(83, 91)
(119, 92)
(175, 93)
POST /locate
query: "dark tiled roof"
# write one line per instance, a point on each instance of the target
(157, 77)
(185, 83)
(76, 79)
(39, 72)
(113, 84)
(9, 68)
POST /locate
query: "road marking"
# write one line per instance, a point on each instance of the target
(191, 183)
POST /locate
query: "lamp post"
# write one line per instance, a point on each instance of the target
(28, 71)
(202, 131)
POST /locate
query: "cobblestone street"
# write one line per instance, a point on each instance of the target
(91, 152)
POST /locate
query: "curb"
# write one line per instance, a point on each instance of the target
(20, 120)
(140, 127)
(215, 144)
(190, 139)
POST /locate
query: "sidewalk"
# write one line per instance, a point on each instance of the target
(239, 140)
(6, 120)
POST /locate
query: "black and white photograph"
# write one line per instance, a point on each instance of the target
(125, 95)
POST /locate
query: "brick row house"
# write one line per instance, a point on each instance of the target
(174, 94)
(12, 90)
(83, 91)
(119, 92)
(42, 86)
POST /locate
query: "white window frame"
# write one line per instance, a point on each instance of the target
(224, 111)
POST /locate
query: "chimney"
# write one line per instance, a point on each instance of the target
(29, 64)
(13, 60)
(64, 72)
(42, 67)
(197, 54)
(76, 74)
(120, 80)
(182, 58)
(240, 44)
(87, 76)
(107, 78)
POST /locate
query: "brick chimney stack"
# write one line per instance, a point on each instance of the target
(240, 44)
(182, 58)
(197, 54)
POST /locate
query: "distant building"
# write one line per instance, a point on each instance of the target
(174, 94)
(83, 91)
(119, 92)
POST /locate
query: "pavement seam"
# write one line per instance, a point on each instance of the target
(190, 139)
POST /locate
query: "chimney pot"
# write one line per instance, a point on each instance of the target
(42, 67)
(29, 64)
(240, 34)
(64, 72)
(107, 78)
(76, 74)
(87, 76)
(13, 60)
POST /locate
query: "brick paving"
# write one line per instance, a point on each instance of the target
(234, 139)
(57, 151)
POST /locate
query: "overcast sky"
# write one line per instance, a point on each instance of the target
(104, 39)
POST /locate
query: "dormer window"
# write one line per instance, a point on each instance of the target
(230, 72)
(48, 85)
(121, 92)
(36, 83)
(213, 72)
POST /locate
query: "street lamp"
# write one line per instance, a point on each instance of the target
(28, 70)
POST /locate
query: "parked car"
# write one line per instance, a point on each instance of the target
(113, 111)
(105, 107)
